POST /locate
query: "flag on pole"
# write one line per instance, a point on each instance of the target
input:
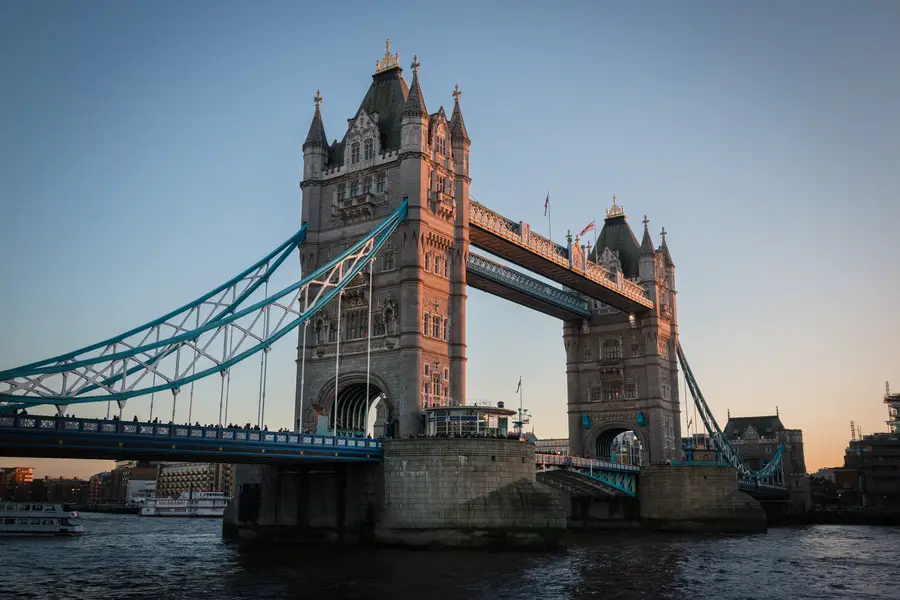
(547, 204)
(519, 387)
(589, 227)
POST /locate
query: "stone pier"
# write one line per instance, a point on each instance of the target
(430, 492)
(442, 492)
(697, 498)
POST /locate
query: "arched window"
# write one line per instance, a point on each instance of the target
(354, 153)
(440, 145)
(612, 350)
(369, 149)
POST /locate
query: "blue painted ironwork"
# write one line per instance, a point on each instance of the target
(770, 474)
(22, 432)
(70, 379)
(616, 476)
(520, 282)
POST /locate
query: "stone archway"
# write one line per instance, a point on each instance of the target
(619, 442)
(358, 404)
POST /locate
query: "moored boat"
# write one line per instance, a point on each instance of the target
(189, 504)
(42, 519)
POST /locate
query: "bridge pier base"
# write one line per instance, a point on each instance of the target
(697, 499)
(303, 503)
(452, 492)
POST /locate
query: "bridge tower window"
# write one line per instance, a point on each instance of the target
(612, 350)
(612, 390)
(354, 153)
(367, 185)
(387, 261)
(426, 324)
(588, 354)
(596, 393)
(380, 183)
(428, 261)
(447, 267)
(441, 147)
(342, 191)
(631, 390)
(436, 327)
(447, 329)
(354, 189)
(437, 264)
(369, 149)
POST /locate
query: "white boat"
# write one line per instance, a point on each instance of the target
(189, 504)
(31, 518)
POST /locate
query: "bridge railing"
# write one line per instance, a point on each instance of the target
(581, 462)
(521, 235)
(222, 435)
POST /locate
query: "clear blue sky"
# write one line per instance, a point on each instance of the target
(151, 150)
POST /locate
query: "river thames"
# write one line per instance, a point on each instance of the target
(126, 557)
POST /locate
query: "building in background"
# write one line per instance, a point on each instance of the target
(699, 448)
(175, 478)
(15, 483)
(875, 461)
(60, 490)
(757, 439)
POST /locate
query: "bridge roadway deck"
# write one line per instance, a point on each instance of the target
(492, 277)
(41, 436)
(516, 243)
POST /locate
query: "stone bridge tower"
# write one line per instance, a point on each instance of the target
(622, 370)
(392, 149)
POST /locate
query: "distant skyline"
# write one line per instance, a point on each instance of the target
(150, 151)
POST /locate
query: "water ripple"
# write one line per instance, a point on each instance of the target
(129, 558)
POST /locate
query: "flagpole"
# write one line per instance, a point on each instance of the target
(549, 226)
(596, 254)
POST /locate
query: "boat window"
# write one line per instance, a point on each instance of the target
(37, 507)
(9, 521)
(24, 507)
(48, 508)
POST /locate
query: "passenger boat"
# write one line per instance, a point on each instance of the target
(189, 504)
(21, 518)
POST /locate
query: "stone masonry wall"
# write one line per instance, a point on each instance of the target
(697, 498)
(466, 492)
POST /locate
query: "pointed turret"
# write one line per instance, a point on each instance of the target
(457, 125)
(316, 136)
(646, 242)
(664, 249)
(415, 103)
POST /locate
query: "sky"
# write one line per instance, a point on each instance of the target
(152, 150)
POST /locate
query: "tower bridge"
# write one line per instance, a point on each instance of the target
(387, 253)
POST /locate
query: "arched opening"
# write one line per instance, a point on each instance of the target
(620, 445)
(349, 414)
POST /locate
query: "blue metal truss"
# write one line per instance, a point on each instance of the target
(617, 477)
(769, 475)
(179, 352)
(622, 481)
(520, 282)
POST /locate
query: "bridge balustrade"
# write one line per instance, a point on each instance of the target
(521, 235)
(159, 430)
(581, 462)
